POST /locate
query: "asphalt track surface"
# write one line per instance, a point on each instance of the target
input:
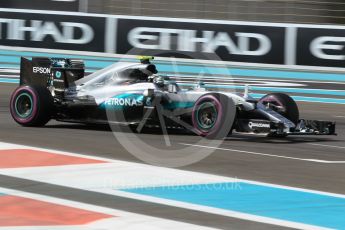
(99, 141)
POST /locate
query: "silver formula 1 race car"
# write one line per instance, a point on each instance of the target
(135, 94)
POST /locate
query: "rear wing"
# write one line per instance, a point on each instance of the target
(57, 72)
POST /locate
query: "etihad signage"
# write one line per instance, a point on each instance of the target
(188, 41)
(38, 30)
(321, 47)
(240, 43)
(266, 43)
(52, 31)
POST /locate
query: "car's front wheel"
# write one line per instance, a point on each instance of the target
(31, 105)
(213, 116)
(283, 104)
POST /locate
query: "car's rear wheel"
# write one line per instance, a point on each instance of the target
(213, 116)
(283, 104)
(31, 105)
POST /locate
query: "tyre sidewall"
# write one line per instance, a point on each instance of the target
(225, 116)
(284, 100)
(42, 105)
(35, 104)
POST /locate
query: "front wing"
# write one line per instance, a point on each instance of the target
(304, 127)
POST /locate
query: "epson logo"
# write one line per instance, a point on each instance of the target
(210, 41)
(124, 102)
(258, 125)
(37, 30)
(41, 70)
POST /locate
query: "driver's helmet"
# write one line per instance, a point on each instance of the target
(143, 73)
(158, 80)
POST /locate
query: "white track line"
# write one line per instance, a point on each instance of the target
(217, 211)
(68, 175)
(267, 155)
(4, 145)
(113, 173)
(329, 146)
(122, 220)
